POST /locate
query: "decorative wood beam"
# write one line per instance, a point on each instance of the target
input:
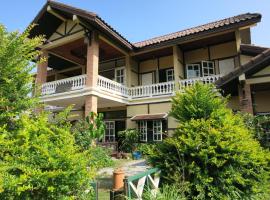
(64, 58)
(50, 10)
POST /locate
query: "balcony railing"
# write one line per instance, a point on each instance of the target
(112, 87)
(207, 79)
(152, 90)
(64, 85)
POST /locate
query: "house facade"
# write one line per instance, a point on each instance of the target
(94, 68)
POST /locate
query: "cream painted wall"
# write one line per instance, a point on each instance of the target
(265, 71)
(233, 103)
(148, 65)
(244, 59)
(262, 103)
(166, 62)
(196, 55)
(223, 50)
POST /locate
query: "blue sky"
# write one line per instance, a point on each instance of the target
(142, 19)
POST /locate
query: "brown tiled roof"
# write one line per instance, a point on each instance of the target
(95, 20)
(255, 64)
(210, 26)
(252, 50)
(90, 17)
(149, 117)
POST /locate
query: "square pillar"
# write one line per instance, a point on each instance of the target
(92, 71)
(92, 60)
(245, 98)
(178, 65)
(90, 104)
(41, 76)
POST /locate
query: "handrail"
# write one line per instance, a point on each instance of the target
(108, 85)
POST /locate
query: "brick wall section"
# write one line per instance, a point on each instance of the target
(92, 72)
(246, 104)
(42, 70)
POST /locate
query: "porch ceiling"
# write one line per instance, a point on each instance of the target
(74, 53)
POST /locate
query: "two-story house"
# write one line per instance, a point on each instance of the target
(91, 66)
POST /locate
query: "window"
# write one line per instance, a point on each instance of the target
(120, 75)
(193, 70)
(143, 130)
(157, 130)
(208, 68)
(226, 66)
(169, 75)
(109, 131)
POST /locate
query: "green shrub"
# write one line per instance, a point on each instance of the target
(259, 125)
(146, 148)
(212, 152)
(89, 130)
(41, 161)
(100, 157)
(128, 140)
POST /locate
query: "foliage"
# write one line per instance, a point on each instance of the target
(259, 125)
(16, 53)
(128, 140)
(89, 130)
(212, 151)
(146, 148)
(100, 157)
(197, 102)
(41, 161)
(167, 192)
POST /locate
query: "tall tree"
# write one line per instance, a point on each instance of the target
(16, 53)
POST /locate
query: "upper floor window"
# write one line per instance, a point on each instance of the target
(169, 75)
(205, 68)
(193, 70)
(120, 75)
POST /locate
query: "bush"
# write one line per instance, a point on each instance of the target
(146, 148)
(212, 151)
(128, 140)
(41, 161)
(259, 125)
(100, 157)
(89, 130)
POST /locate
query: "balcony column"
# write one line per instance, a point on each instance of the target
(245, 98)
(41, 76)
(178, 65)
(92, 71)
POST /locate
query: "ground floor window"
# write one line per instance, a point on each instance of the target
(143, 130)
(151, 130)
(109, 131)
(157, 130)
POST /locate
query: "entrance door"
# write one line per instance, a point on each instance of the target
(109, 131)
(147, 79)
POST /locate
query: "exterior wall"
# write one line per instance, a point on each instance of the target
(233, 103)
(148, 65)
(153, 108)
(265, 71)
(166, 62)
(223, 50)
(262, 101)
(244, 59)
(196, 55)
(245, 36)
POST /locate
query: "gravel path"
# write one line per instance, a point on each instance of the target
(130, 167)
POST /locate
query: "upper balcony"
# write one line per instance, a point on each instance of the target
(110, 88)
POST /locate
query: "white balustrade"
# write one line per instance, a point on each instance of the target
(64, 85)
(206, 80)
(158, 89)
(112, 86)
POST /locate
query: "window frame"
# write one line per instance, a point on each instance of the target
(193, 65)
(143, 130)
(208, 68)
(157, 135)
(121, 75)
(167, 74)
(108, 124)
